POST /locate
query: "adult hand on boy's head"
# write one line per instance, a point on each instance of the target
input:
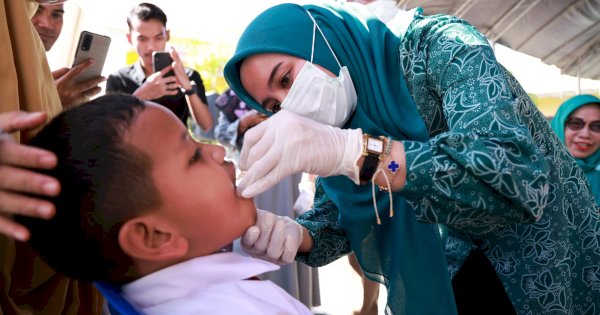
(273, 238)
(16, 178)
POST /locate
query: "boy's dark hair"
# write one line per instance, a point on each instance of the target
(104, 182)
(146, 12)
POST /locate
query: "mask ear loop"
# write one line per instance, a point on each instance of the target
(316, 27)
(312, 50)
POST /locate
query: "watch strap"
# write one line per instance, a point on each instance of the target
(192, 90)
(369, 167)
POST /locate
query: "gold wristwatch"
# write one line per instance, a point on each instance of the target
(372, 151)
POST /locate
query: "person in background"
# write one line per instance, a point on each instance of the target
(48, 22)
(183, 92)
(235, 118)
(156, 217)
(27, 284)
(577, 124)
(370, 290)
(414, 132)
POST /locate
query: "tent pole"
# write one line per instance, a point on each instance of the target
(579, 75)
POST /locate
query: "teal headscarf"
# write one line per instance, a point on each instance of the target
(591, 164)
(405, 255)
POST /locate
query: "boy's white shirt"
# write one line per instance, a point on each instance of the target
(214, 284)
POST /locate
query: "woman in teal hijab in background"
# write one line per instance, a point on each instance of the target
(474, 153)
(577, 124)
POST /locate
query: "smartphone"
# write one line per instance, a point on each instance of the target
(94, 46)
(161, 60)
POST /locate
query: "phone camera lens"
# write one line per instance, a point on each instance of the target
(87, 42)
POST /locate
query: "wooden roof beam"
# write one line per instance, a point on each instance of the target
(509, 15)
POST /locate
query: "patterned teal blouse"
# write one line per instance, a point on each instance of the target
(493, 175)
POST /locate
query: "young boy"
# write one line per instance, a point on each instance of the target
(146, 208)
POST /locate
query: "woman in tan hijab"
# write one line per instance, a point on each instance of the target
(28, 285)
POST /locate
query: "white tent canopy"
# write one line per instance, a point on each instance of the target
(564, 33)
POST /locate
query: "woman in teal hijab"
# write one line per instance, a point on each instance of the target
(577, 124)
(460, 144)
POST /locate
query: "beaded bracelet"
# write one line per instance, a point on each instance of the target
(387, 181)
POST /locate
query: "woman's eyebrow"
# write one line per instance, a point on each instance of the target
(272, 75)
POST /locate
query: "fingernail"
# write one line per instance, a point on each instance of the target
(29, 114)
(20, 235)
(46, 160)
(45, 211)
(50, 188)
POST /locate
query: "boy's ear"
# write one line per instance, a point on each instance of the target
(168, 35)
(129, 37)
(148, 238)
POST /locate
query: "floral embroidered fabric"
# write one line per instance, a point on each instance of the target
(493, 175)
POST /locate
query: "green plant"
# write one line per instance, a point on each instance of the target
(207, 58)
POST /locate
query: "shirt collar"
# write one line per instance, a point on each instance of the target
(138, 74)
(177, 281)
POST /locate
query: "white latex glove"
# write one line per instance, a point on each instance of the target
(305, 199)
(274, 238)
(287, 144)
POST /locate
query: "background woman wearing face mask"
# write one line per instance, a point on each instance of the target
(577, 124)
(470, 152)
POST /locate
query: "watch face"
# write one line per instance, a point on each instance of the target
(375, 145)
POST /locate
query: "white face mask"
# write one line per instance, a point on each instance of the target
(317, 96)
(320, 97)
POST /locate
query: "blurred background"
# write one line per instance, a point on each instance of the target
(205, 33)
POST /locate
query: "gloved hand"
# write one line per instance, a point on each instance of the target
(287, 144)
(274, 238)
(305, 199)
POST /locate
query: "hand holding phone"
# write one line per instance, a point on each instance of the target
(164, 80)
(161, 60)
(72, 92)
(91, 46)
(158, 85)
